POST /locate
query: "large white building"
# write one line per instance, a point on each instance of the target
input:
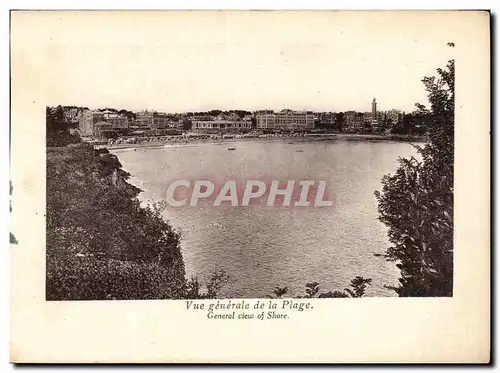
(230, 122)
(285, 120)
(221, 125)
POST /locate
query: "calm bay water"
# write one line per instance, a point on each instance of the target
(262, 247)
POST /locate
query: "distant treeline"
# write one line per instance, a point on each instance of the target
(100, 242)
(131, 115)
(240, 113)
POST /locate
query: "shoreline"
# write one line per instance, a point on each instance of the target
(311, 137)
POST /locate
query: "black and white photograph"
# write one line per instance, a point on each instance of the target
(224, 168)
(234, 169)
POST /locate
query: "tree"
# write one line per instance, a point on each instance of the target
(187, 125)
(339, 121)
(58, 128)
(56, 121)
(242, 113)
(356, 289)
(130, 115)
(214, 112)
(416, 203)
(216, 282)
(278, 292)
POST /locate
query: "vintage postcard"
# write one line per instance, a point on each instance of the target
(250, 186)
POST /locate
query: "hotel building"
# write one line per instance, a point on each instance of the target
(222, 123)
(285, 120)
(152, 120)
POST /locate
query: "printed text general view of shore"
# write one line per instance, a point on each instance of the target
(252, 203)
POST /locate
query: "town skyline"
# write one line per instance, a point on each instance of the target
(235, 109)
(206, 108)
(111, 122)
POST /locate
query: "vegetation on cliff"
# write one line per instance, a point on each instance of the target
(60, 132)
(101, 243)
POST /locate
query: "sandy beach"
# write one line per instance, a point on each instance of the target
(144, 143)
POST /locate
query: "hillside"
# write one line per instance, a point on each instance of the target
(101, 244)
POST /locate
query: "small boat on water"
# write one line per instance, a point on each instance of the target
(231, 148)
(299, 150)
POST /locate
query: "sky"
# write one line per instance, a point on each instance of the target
(194, 60)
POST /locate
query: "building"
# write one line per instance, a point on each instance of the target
(230, 122)
(364, 122)
(285, 120)
(144, 119)
(87, 121)
(104, 130)
(116, 120)
(247, 121)
(218, 125)
(160, 121)
(247, 118)
(354, 121)
(372, 120)
(265, 120)
(179, 125)
(200, 117)
(326, 119)
(151, 120)
(369, 117)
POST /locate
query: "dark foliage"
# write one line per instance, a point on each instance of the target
(217, 280)
(339, 121)
(215, 112)
(89, 278)
(59, 131)
(356, 289)
(416, 203)
(97, 229)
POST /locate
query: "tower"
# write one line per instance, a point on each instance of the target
(374, 109)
